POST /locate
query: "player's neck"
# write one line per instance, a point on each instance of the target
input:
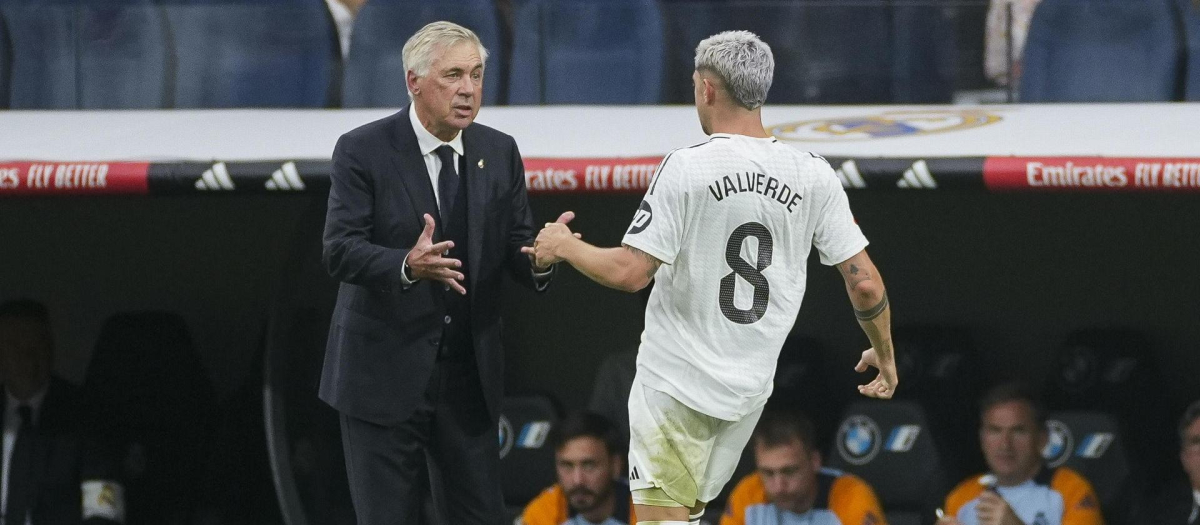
(740, 122)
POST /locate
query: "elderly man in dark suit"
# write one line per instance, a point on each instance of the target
(53, 474)
(427, 211)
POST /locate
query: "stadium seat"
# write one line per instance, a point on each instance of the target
(1092, 444)
(151, 403)
(253, 53)
(941, 371)
(587, 52)
(123, 56)
(526, 455)
(924, 52)
(1113, 371)
(374, 73)
(1191, 29)
(72, 55)
(5, 61)
(1102, 51)
(891, 445)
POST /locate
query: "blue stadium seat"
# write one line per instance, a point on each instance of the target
(96, 55)
(526, 454)
(1102, 51)
(253, 53)
(892, 446)
(924, 52)
(825, 53)
(374, 74)
(587, 52)
(1092, 444)
(1191, 28)
(123, 55)
(5, 62)
(43, 37)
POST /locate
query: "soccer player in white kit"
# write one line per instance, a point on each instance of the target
(725, 230)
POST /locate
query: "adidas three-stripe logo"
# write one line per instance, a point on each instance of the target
(286, 178)
(633, 474)
(917, 177)
(215, 178)
(848, 174)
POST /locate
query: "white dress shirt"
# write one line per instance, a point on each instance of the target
(12, 423)
(429, 144)
(1195, 505)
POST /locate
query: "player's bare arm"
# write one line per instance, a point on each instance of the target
(625, 268)
(867, 294)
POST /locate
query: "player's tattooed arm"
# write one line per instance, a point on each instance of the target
(652, 263)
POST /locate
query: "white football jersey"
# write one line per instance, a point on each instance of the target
(733, 220)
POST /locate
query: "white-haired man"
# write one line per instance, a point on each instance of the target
(725, 230)
(427, 210)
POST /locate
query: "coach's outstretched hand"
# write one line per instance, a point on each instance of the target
(427, 262)
(884, 386)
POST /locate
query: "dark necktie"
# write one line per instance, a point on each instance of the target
(447, 184)
(20, 471)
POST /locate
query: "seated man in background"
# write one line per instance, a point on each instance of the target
(590, 488)
(1179, 503)
(791, 488)
(52, 473)
(1019, 489)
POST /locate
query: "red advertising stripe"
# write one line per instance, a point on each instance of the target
(621, 175)
(1092, 174)
(73, 178)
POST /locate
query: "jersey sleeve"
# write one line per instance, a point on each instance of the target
(837, 237)
(657, 227)
(1080, 505)
(855, 503)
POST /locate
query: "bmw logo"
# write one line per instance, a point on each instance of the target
(506, 436)
(858, 440)
(1058, 445)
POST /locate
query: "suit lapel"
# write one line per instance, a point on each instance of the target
(476, 200)
(412, 172)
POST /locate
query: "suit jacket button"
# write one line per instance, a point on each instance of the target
(446, 320)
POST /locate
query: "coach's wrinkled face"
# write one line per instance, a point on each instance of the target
(447, 97)
(1012, 441)
(789, 474)
(586, 471)
(1189, 454)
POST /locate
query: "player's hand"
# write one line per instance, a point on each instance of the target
(884, 386)
(542, 255)
(993, 510)
(427, 262)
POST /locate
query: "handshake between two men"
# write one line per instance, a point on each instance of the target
(433, 261)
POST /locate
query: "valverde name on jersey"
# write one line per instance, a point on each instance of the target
(759, 183)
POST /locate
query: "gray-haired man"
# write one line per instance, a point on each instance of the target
(725, 230)
(427, 211)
